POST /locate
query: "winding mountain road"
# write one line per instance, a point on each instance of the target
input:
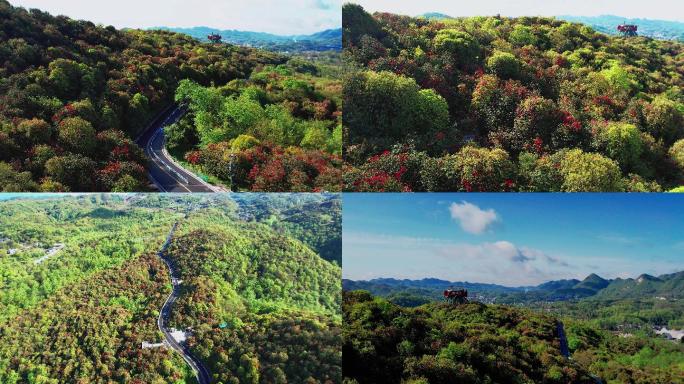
(164, 172)
(201, 372)
(565, 351)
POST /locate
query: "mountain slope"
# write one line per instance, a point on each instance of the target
(593, 283)
(435, 16)
(558, 284)
(508, 104)
(98, 322)
(476, 343)
(254, 295)
(260, 303)
(442, 343)
(645, 286)
(74, 95)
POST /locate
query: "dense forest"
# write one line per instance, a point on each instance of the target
(278, 130)
(95, 238)
(261, 306)
(508, 104)
(278, 302)
(487, 343)
(92, 332)
(74, 95)
(609, 324)
(444, 343)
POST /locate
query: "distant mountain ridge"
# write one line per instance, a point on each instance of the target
(669, 286)
(435, 16)
(657, 29)
(327, 40)
(390, 284)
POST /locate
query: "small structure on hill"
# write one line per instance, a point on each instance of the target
(627, 30)
(214, 38)
(671, 334)
(147, 345)
(179, 335)
(456, 296)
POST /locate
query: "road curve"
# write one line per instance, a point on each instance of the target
(164, 172)
(201, 372)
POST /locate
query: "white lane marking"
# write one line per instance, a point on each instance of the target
(168, 159)
(152, 154)
(154, 180)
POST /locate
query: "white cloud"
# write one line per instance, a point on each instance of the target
(500, 250)
(473, 219)
(367, 255)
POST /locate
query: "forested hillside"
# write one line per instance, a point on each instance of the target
(443, 343)
(73, 96)
(279, 130)
(485, 343)
(277, 301)
(95, 236)
(508, 104)
(259, 305)
(92, 332)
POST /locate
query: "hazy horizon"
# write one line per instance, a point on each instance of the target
(284, 17)
(654, 10)
(512, 240)
(503, 285)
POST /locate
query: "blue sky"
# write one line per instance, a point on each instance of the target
(285, 17)
(511, 239)
(652, 9)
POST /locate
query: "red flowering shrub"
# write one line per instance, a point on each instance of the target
(396, 170)
(193, 157)
(113, 171)
(270, 168)
(115, 146)
(67, 111)
(536, 120)
(532, 87)
(569, 121)
(495, 101)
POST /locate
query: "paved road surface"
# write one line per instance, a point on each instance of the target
(565, 351)
(167, 175)
(198, 368)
